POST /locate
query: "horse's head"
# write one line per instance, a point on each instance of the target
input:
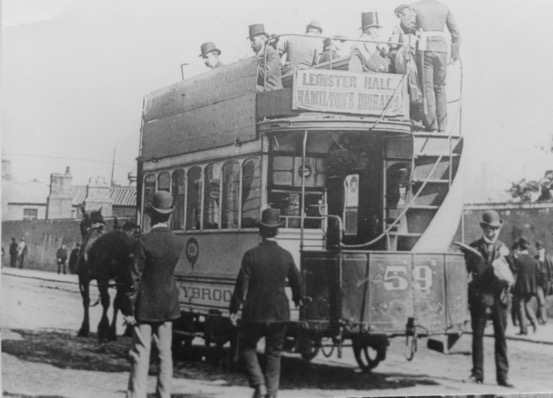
(89, 219)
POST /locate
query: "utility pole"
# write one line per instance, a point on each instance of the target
(112, 167)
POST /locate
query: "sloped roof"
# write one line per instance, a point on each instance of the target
(123, 196)
(78, 194)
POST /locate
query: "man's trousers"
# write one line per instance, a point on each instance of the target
(143, 333)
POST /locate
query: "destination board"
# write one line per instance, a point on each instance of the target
(348, 92)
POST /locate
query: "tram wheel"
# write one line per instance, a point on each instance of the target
(368, 356)
(308, 348)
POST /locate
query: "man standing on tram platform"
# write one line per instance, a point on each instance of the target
(429, 18)
(260, 289)
(373, 52)
(269, 69)
(488, 295)
(210, 53)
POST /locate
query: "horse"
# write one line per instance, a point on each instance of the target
(104, 256)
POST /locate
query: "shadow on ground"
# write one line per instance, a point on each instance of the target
(63, 349)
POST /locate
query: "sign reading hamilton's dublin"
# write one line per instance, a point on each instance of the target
(359, 93)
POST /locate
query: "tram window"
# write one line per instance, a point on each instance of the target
(288, 170)
(164, 181)
(178, 189)
(397, 181)
(194, 198)
(289, 204)
(212, 176)
(149, 190)
(230, 198)
(251, 192)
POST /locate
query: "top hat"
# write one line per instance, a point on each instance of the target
(400, 8)
(491, 218)
(208, 47)
(270, 218)
(369, 20)
(316, 25)
(257, 29)
(161, 203)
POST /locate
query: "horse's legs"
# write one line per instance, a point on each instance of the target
(84, 287)
(116, 306)
(103, 326)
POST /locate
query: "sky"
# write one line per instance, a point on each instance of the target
(75, 72)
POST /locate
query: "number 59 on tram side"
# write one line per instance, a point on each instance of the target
(369, 203)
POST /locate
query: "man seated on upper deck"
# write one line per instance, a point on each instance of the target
(210, 53)
(374, 53)
(302, 52)
(332, 49)
(269, 73)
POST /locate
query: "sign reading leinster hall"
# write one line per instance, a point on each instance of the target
(358, 93)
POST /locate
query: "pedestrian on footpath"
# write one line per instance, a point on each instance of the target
(488, 297)
(13, 253)
(22, 252)
(260, 291)
(61, 258)
(151, 303)
(545, 281)
(527, 270)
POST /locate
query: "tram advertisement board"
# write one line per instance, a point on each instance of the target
(348, 92)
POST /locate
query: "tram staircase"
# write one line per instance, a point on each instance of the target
(430, 218)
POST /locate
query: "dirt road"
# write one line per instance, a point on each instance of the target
(41, 356)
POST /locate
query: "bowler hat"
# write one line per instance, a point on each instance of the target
(316, 25)
(400, 8)
(369, 20)
(491, 218)
(208, 47)
(523, 243)
(270, 218)
(161, 203)
(257, 29)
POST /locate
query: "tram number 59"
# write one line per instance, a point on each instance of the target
(396, 277)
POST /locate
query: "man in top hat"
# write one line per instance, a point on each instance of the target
(210, 53)
(302, 52)
(374, 53)
(259, 290)
(429, 18)
(527, 270)
(151, 303)
(13, 253)
(545, 280)
(487, 294)
(269, 69)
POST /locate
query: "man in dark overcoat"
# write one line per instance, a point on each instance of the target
(487, 295)
(260, 290)
(13, 253)
(152, 303)
(61, 258)
(527, 270)
(269, 68)
(545, 280)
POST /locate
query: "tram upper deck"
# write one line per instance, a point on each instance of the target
(409, 188)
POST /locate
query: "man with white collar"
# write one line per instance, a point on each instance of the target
(429, 18)
(152, 302)
(488, 295)
(210, 53)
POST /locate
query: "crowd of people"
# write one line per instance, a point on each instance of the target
(417, 48)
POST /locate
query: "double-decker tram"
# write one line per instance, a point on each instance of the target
(369, 202)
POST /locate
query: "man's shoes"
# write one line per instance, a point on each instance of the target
(475, 380)
(505, 383)
(260, 391)
(522, 333)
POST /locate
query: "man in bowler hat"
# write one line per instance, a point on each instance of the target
(429, 18)
(269, 69)
(374, 53)
(488, 295)
(210, 53)
(527, 270)
(259, 290)
(302, 52)
(151, 303)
